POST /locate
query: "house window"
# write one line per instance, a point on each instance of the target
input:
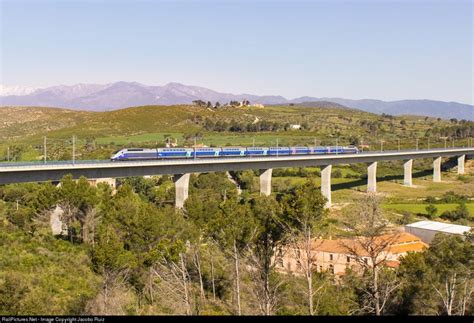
(330, 257)
(331, 269)
(348, 259)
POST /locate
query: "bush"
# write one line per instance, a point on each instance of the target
(430, 200)
(461, 212)
(463, 178)
(350, 175)
(451, 197)
(337, 173)
(432, 211)
(407, 218)
(303, 172)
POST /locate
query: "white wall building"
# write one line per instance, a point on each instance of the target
(426, 230)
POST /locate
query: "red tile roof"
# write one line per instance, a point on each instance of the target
(395, 243)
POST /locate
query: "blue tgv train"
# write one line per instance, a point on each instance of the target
(170, 153)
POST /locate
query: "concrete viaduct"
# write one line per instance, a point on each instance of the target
(182, 168)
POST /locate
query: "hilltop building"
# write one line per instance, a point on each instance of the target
(244, 103)
(336, 255)
(426, 230)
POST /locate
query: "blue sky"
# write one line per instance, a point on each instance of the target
(353, 49)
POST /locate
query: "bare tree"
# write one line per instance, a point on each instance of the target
(466, 296)
(448, 294)
(90, 222)
(266, 290)
(70, 217)
(213, 280)
(368, 246)
(455, 292)
(305, 209)
(174, 285)
(114, 296)
(197, 264)
(273, 234)
(233, 233)
(302, 250)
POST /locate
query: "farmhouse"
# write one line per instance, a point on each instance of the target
(336, 255)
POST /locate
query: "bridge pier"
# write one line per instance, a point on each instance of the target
(437, 170)
(372, 178)
(407, 176)
(326, 184)
(461, 160)
(182, 186)
(266, 182)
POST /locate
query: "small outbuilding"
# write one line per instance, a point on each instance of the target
(426, 230)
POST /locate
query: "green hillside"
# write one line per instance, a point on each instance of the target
(149, 125)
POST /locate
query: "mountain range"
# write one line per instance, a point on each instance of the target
(101, 97)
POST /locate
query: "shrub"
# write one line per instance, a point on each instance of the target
(407, 217)
(430, 200)
(337, 173)
(432, 211)
(451, 197)
(461, 212)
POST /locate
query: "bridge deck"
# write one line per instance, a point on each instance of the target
(37, 171)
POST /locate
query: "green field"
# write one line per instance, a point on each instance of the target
(213, 139)
(146, 137)
(148, 124)
(421, 208)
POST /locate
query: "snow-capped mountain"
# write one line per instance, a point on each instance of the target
(16, 90)
(124, 94)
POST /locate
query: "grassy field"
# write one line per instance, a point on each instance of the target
(421, 208)
(98, 134)
(145, 124)
(136, 139)
(396, 197)
(347, 189)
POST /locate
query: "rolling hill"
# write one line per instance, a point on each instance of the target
(98, 134)
(118, 95)
(324, 119)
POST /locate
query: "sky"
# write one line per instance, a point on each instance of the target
(389, 50)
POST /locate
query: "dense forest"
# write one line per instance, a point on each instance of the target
(130, 251)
